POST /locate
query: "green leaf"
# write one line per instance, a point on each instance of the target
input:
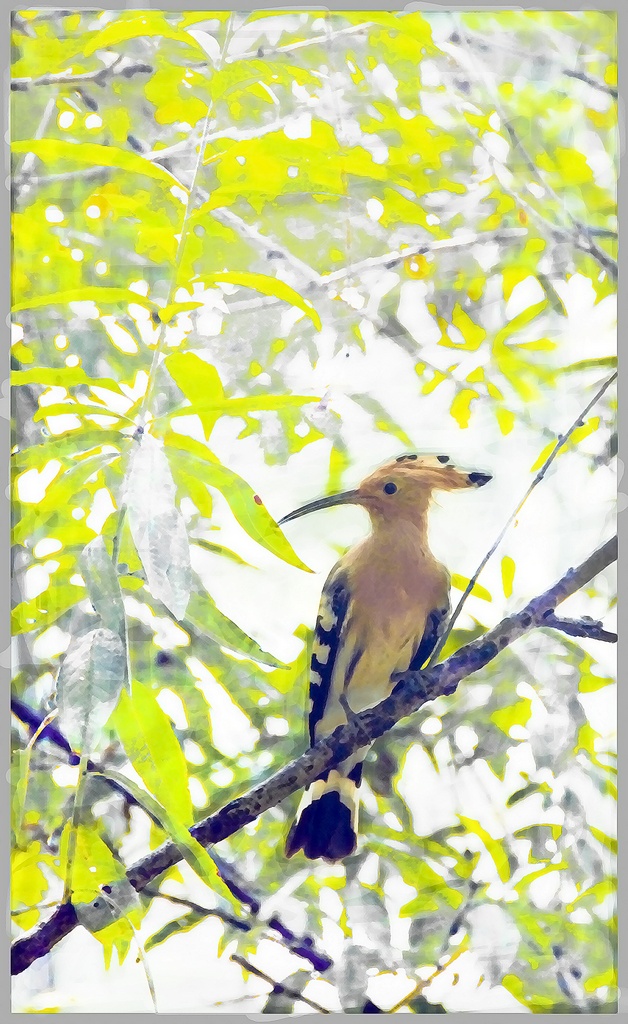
(90, 679)
(267, 286)
(515, 714)
(91, 852)
(83, 410)
(99, 296)
(493, 846)
(243, 502)
(29, 884)
(110, 919)
(148, 739)
(206, 616)
(178, 927)
(382, 419)
(65, 447)
(472, 333)
(461, 407)
(148, 24)
(64, 487)
(517, 987)
(220, 549)
(607, 841)
(519, 321)
(152, 748)
(42, 611)
(66, 376)
(157, 526)
(103, 585)
(199, 382)
(93, 154)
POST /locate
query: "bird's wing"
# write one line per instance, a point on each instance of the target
(434, 628)
(332, 618)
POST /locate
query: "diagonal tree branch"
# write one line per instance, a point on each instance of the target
(301, 945)
(413, 689)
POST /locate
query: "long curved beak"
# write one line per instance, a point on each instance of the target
(344, 498)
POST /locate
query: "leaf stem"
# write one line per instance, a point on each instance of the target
(76, 815)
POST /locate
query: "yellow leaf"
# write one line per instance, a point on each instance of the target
(610, 75)
(268, 286)
(543, 456)
(461, 583)
(493, 846)
(461, 407)
(53, 151)
(433, 383)
(508, 574)
(516, 714)
(505, 419)
(472, 333)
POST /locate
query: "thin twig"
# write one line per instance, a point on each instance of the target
(388, 260)
(74, 824)
(579, 232)
(411, 692)
(421, 985)
(21, 176)
(277, 986)
(595, 83)
(99, 76)
(462, 241)
(235, 922)
(560, 443)
(189, 204)
(263, 53)
(249, 231)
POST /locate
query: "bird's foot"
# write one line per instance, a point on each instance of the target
(352, 717)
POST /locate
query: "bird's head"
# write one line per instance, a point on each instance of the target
(401, 489)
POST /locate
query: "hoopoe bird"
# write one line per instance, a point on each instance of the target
(383, 609)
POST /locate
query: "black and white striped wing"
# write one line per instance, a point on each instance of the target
(434, 629)
(331, 620)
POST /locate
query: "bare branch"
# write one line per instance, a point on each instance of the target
(584, 627)
(412, 691)
(595, 83)
(123, 66)
(196, 908)
(277, 986)
(458, 242)
(464, 240)
(262, 52)
(21, 177)
(249, 231)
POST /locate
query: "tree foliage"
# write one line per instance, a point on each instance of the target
(253, 254)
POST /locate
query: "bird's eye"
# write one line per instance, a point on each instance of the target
(443, 458)
(390, 488)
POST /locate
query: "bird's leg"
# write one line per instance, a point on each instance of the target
(352, 718)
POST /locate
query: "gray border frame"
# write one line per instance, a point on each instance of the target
(5, 514)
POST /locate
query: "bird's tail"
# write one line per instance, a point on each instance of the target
(326, 824)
